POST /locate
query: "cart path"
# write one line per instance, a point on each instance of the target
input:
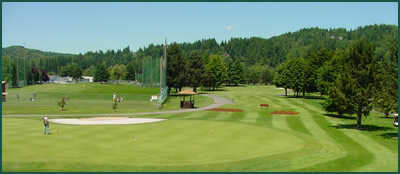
(218, 101)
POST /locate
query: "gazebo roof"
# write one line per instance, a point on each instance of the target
(187, 92)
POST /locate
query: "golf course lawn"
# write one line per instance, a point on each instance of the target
(87, 98)
(252, 140)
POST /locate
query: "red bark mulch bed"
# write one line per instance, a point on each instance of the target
(225, 110)
(264, 105)
(285, 112)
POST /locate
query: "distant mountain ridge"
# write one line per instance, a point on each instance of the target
(255, 50)
(22, 52)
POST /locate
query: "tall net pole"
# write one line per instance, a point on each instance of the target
(163, 66)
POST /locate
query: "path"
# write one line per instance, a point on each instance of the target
(218, 101)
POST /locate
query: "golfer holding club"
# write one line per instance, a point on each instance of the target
(46, 124)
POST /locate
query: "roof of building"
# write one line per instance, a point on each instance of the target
(187, 92)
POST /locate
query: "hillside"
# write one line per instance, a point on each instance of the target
(256, 50)
(22, 52)
(272, 51)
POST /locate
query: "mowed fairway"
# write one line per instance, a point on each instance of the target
(253, 140)
(86, 98)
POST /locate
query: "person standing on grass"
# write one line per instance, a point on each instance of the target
(114, 97)
(46, 124)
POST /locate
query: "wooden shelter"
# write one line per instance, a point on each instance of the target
(184, 94)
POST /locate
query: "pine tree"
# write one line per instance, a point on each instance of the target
(386, 97)
(235, 72)
(101, 74)
(356, 82)
(195, 69)
(176, 69)
(216, 71)
(130, 71)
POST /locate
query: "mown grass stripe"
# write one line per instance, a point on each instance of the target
(250, 117)
(296, 124)
(309, 123)
(196, 115)
(236, 116)
(210, 115)
(279, 122)
(264, 119)
(222, 117)
(356, 156)
(385, 159)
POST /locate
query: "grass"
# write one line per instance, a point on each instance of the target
(88, 98)
(253, 140)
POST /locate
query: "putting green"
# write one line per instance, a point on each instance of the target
(175, 139)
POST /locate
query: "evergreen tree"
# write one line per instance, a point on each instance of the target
(267, 75)
(130, 71)
(36, 75)
(356, 82)
(316, 58)
(14, 77)
(216, 72)
(386, 96)
(89, 71)
(66, 70)
(195, 69)
(175, 67)
(282, 78)
(297, 75)
(235, 71)
(76, 72)
(101, 74)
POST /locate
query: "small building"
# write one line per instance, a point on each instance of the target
(88, 78)
(184, 94)
(59, 79)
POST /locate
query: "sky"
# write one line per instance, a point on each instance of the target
(81, 27)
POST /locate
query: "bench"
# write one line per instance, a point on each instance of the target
(154, 97)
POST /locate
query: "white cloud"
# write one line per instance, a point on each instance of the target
(228, 27)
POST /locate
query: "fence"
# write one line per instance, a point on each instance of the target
(154, 72)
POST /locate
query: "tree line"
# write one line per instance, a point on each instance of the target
(341, 64)
(255, 54)
(355, 79)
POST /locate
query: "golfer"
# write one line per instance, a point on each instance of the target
(46, 124)
(114, 97)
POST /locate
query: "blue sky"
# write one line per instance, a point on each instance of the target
(82, 27)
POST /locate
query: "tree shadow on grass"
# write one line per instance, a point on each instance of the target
(218, 89)
(388, 117)
(340, 116)
(237, 86)
(363, 127)
(389, 135)
(305, 97)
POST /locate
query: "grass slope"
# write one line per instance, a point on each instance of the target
(253, 140)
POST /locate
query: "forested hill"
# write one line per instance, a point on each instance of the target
(274, 50)
(250, 51)
(22, 52)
